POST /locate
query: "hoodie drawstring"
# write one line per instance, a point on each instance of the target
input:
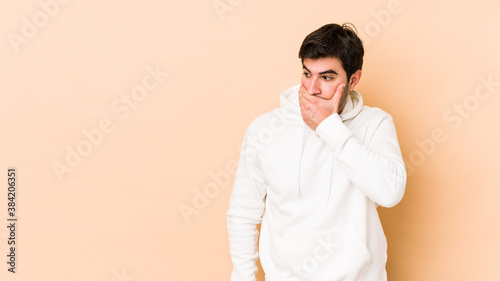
(301, 151)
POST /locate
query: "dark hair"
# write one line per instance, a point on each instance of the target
(338, 41)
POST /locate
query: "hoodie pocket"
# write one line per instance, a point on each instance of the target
(333, 255)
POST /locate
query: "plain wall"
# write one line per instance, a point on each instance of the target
(76, 78)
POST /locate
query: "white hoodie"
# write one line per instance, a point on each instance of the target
(315, 193)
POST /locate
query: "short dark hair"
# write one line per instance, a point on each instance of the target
(338, 41)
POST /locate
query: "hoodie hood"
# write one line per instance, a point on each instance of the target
(289, 99)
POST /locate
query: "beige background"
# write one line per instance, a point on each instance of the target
(115, 215)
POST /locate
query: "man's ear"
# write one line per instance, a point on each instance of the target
(354, 79)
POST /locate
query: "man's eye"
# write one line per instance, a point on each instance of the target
(307, 74)
(327, 78)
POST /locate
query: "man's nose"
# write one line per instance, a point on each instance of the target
(314, 88)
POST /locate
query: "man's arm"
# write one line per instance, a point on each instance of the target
(246, 208)
(378, 168)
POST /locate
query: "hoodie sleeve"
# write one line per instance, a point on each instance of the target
(376, 168)
(246, 208)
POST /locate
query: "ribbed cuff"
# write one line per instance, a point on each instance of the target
(333, 131)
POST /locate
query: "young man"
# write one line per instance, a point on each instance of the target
(314, 171)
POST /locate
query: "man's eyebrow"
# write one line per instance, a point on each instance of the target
(329, 71)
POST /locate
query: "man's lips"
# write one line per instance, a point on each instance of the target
(319, 97)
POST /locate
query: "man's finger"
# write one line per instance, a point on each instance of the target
(338, 94)
(303, 94)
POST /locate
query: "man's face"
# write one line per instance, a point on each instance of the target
(322, 76)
